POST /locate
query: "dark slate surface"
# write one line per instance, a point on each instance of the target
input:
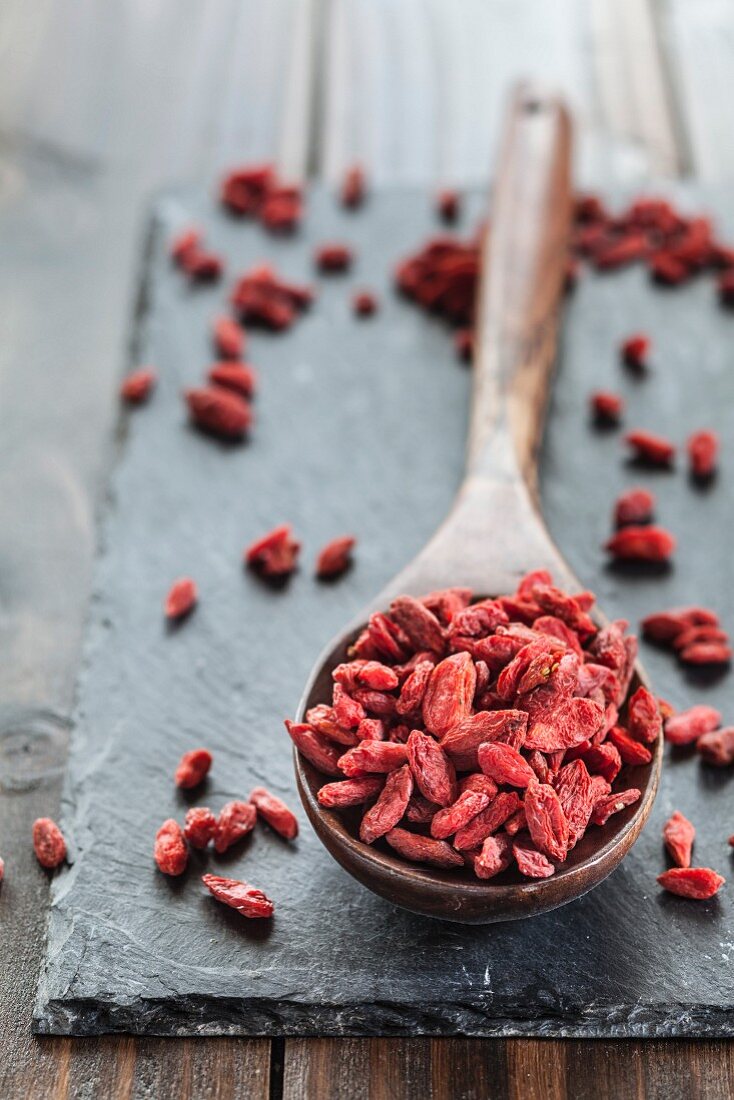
(361, 427)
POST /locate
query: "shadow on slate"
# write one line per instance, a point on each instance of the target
(360, 427)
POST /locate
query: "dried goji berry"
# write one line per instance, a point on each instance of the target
(667, 270)
(229, 338)
(354, 187)
(706, 653)
(665, 626)
(336, 557)
(487, 821)
(495, 856)
(193, 768)
(246, 899)
(234, 376)
(631, 751)
(504, 764)
(635, 507)
(170, 851)
(274, 554)
(691, 882)
(389, 807)
(653, 544)
(205, 267)
(48, 843)
(573, 721)
(450, 693)
(689, 725)
(652, 449)
(644, 720)
(448, 205)
(323, 720)
(364, 303)
(531, 862)
(575, 791)
(184, 244)
(275, 812)
(414, 688)
(200, 826)
(236, 819)
(508, 726)
(315, 747)
(138, 385)
(678, 836)
(244, 189)
(612, 804)
(547, 822)
(692, 635)
(420, 811)
(703, 453)
(603, 760)
(373, 756)
(717, 747)
(454, 817)
(333, 257)
(350, 792)
(606, 407)
(219, 411)
(181, 598)
(373, 729)
(432, 770)
(420, 625)
(423, 849)
(635, 349)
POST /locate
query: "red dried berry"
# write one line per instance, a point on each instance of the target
(389, 807)
(717, 747)
(204, 267)
(373, 756)
(181, 598)
(450, 693)
(652, 544)
(635, 507)
(200, 826)
(691, 882)
(689, 725)
(354, 187)
(423, 849)
(547, 822)
(448, 205)
(644, 720)
(635, 350)
(487, 821)
(531, 862)
(138, 386)
(314, 747)
(331, 258)
(236, 820)
(692, 635)
(229, 338)
(350, 792)
(170, 851)
(495, 856)
(193, 768)
(456, 816)
(275, 812)
(606, 407)
(432, 770)
(282, 209)
(667, 270)
(238, 377)
(703, 453)
(678, 836)
(612, 804)
(246, 899)
(244, 189)
(652, 449)
(665, 626)
(503, 764)
(569, 723)
(336, 557)
(184, 245)
(274, 554)
(220, 412)
(364, 303)
(48, 843)
(706, 653)
(631, 751)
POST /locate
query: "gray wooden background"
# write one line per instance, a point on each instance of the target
(104, 101)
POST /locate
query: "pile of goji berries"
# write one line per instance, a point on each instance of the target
(483, 734)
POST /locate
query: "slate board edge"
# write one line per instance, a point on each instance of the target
(265, 1018)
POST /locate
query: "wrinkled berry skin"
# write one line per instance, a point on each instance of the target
(48, 843)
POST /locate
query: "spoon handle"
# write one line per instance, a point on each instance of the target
(524, 258)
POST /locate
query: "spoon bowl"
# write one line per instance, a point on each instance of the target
(495, 533)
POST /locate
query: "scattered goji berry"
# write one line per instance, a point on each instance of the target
(204, 267)
(354, 187)
(229, 338)
(185, 244)
(652, 449)
(691, 882)
(169, 851)
(717, 747)
(635, 507)
(234, 376)
(331, 258)
(246, 899)
(181, 598)
(275, 554)
(336, 557)
(706, 653)
(703, 453)
(364, 303)
(48, 843)
(665, 626)
(236, 819)
(689, 725)
(193, 768)
(635, 349)
(678, 837)
(138, 386)
(200, 826)
(219, 412)
(243, 190)
(275, 812)
(652, 544)
(606, 407)
(448, 205)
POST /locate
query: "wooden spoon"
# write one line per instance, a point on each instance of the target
(494, 532)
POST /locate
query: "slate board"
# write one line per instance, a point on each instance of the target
(361, 428)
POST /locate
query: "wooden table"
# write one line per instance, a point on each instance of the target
(100, 104)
